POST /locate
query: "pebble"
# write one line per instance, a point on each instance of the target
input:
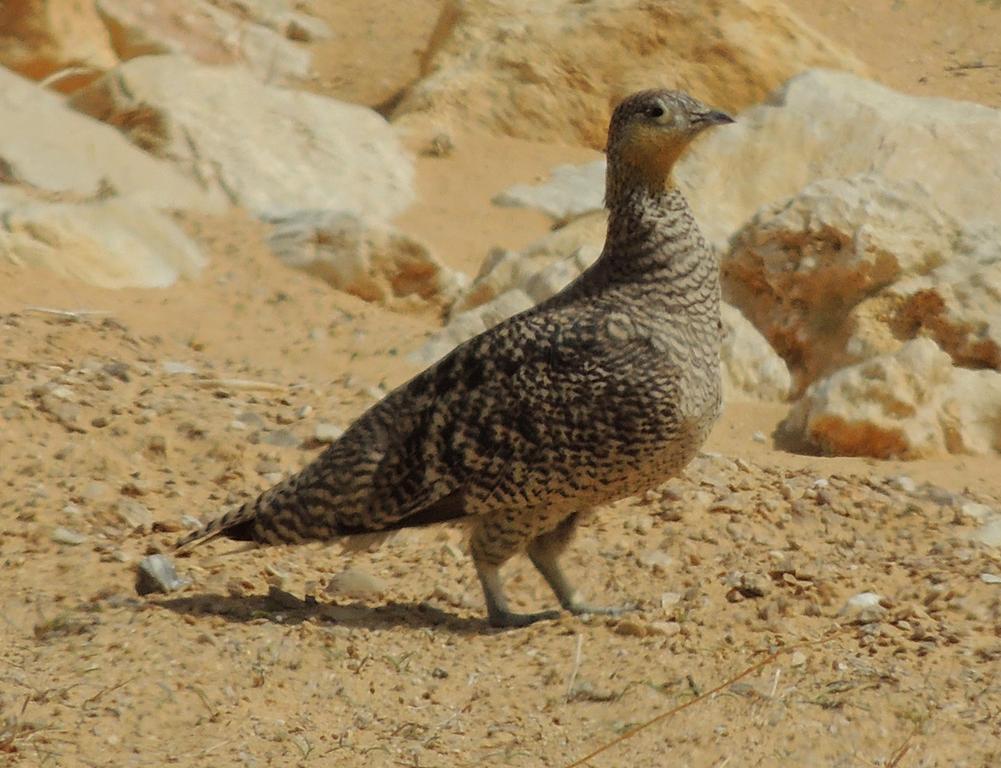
(735, 502)
(156, 573)
(325, 432)
(251, 419)
(281, 438)
(990, 578)
(670, 599)
(134, 513)
(354, 582)
(657, 559)
(174, 367)
(903, 483)
(989, 533)
(665, 628)
(747, 585)
(863, 608)
(72, 538)
(759, 437)
(630, 628)
(798, 659)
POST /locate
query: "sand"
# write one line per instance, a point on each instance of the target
(143, 407)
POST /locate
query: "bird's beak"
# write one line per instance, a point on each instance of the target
(714, 117)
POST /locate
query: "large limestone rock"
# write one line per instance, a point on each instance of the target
(819, 125)
(207, 33)
(751, 368)
(549, 69)
(827, 125)
(569, 192)
(372, 261)
(503, 271)
(909, 404)
(269, 149)
(112, 243)
(800, 267)
(45, 145)
(63, 39)
(510, 283)
(958, 305)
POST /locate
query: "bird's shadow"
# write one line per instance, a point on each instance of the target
(282, 607)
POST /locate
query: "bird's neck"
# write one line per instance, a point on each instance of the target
(650, 226)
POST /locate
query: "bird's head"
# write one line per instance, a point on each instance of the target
(649, 131)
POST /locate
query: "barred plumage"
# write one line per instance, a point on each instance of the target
(605, 390)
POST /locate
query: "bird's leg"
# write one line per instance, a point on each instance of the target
(497, 610)
(544, 552)
(493, 543)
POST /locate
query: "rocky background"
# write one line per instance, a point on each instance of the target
(229, 226)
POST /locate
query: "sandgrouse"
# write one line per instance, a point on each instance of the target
(601, 392)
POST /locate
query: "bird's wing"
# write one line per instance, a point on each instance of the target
(503, 404)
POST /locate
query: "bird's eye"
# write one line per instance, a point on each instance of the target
(657, 111)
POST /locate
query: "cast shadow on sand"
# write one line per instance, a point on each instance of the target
(283, 608)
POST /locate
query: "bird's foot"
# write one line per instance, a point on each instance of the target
(509, 620)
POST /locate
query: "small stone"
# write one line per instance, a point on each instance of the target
(304, 411)
(665, 628)
(281, 438)
(354, 582)
(657, 559)
(630, 628)
(133, 513)
(735, 502)
(748, 584)
(156, 573)
(989, 533)
(191, 522)
(670, 599)
(990, 578)
(117, 370)
(759, 437)
(325, 432)
(66, 536)
(95, 491)
(173, 368)
(863, 608)
(903, 483)
(251, 419)
(798, 659)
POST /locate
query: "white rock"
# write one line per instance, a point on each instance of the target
(571, 190)
(989, 533)
(114, 243)
(751, 368)
(465, 326)
(62, 535)
(325, 432)
(43, 144)
(206, 33)
(549, 69)
(269, 149)
(800, 266)
(990, 578)
(863, 608)
(957, 304)
(908, 404)
(370, 260)
(356, 583)
(824, 124)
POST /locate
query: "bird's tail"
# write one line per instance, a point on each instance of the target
(272, 518)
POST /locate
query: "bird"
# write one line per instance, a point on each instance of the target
(603, 391)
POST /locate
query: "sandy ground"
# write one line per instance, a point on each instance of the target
(747, 563)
